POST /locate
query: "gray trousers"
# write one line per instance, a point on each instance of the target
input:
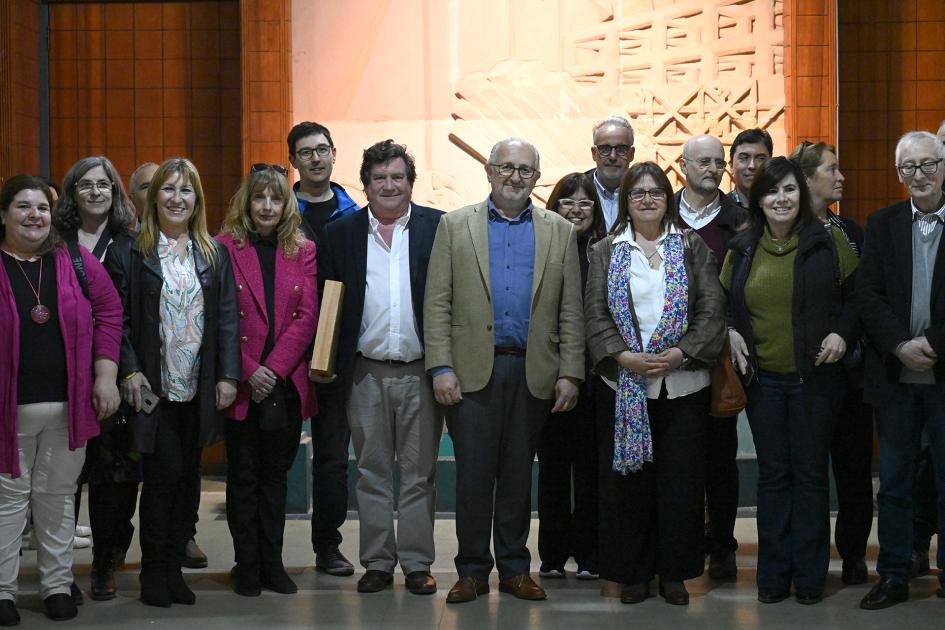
(47, 482)
(394, 421)
(495, 434)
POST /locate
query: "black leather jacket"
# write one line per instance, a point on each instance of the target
(139, 282)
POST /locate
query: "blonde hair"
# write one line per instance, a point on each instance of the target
(150, 233)
(238, 222)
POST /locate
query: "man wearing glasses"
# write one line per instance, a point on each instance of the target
(613, 152)
(748, 153)
(900, 283)
(312, 152)
(716, 217)
(503, 277)
(321, 200)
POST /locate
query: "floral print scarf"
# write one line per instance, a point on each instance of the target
(633, 442)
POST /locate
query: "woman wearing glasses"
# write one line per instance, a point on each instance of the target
(789, 283)
(59, 343)
(181, 348)
(851, 449)
(655, 317)
(567, 443)
(94, 211)
(274, 268)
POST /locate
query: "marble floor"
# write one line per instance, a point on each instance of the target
(331, 602)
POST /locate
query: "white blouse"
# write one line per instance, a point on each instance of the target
(648, 288)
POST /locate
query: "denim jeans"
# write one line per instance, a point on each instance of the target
(900, 422)
(791, 423)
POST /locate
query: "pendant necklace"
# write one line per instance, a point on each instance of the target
(39, 313)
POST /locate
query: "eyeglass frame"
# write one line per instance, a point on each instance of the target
(703, 164)
(656, 194)
(567, 202)
(622, 150)
(513, 169)
(919, 167)
(313, 151)
(85, 187)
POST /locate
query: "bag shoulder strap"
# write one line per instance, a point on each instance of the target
(78, 265)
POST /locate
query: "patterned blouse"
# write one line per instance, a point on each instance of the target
(181, 320)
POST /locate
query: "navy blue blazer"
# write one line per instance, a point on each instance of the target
(343, 257)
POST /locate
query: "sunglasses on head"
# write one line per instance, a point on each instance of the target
(260, 166)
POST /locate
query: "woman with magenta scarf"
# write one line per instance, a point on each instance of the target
(655, 316)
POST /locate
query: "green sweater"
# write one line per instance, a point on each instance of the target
(769, 291)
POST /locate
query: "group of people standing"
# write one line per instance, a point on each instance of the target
(585, 332)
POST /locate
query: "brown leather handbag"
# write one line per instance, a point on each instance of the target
(728, 395)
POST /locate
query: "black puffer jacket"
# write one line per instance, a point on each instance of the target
(822, 301)
(139, 282)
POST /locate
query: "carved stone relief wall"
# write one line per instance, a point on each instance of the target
(451, 78)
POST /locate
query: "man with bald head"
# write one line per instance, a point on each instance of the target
(941, 132)
(503, 276)
(715, 217)
(613, 152)
(902, 290)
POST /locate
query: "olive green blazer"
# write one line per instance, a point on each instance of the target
(706, 330)
(457, 310)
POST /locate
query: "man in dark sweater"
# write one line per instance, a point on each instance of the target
(715, 217)
(312, 152)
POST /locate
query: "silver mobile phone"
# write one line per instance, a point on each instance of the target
(148, 400)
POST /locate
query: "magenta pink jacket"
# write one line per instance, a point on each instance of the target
(296, 304)
(90, 329)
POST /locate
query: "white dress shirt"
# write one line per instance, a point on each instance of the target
(608, 202)
(698, 218)
(648, 288)
(388, 325)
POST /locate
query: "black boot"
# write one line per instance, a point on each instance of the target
(154, 590)
(180, 592)
(274, 577)
(103, 577)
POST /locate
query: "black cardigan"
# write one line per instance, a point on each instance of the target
(822, 302)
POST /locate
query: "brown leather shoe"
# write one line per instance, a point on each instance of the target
(103, 583)
(467, 589)
(420, 583)
(523, 587)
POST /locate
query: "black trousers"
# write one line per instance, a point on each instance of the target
(257, 463)
(166, 508)
(330, 438)
(721, 483)
(925, 499)
(111, 510)
(851, 456)
(495, 434)
(651, 521)
(567, 458)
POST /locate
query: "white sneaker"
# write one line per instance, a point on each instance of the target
(83, 531)
(80, 542)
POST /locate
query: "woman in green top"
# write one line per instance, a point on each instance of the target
(789, 281)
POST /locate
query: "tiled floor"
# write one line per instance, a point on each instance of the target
(328, 602)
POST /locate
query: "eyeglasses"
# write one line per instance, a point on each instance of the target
(908, 170)
(623, 150)
(506, 170)
(568, 204)
(656, 194)
(322, 150)
(260, 166)
(85, 187)
(705, 163)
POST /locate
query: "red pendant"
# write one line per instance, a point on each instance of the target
(39, 314)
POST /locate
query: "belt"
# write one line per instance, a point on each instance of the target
(388, 361)
(511, 351)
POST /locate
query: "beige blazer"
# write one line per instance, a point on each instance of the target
(457, 309)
